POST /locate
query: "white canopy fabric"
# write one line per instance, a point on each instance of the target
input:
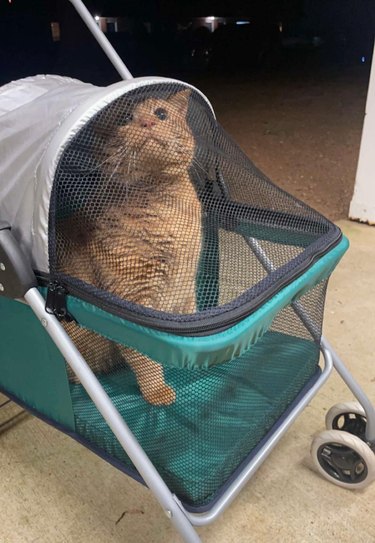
(39, 115)
(31, 111)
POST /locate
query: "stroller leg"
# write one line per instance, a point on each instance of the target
(337, 362)
(113, 418)
(356, 390)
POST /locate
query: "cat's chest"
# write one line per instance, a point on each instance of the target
(161, 226)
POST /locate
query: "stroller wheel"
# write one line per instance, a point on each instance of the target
(343, 459)
(349, 417)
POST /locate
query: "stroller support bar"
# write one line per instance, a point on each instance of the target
(356, 390)
(337, 362)
(112, 417)
(102, 39)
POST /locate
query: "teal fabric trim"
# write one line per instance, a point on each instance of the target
(31, 367)
(203, 352)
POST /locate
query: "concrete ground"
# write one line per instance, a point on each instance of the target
(55, 491)
(302, 128)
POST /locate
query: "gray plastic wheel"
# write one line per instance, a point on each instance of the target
(343, 458)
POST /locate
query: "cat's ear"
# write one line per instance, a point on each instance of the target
(180, 100)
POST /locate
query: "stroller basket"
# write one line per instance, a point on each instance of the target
(220, 414)
(156, 241)
(191, 284)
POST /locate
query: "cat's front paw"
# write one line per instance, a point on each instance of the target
(160, 395)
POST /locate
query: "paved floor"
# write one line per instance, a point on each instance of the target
(302, 128)
(54, 491)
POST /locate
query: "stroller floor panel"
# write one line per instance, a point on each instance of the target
(219, 416)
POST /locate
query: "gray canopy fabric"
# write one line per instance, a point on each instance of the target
(38, 117)
(31, 112)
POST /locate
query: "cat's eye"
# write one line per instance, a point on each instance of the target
(161, 113)
(126, 118)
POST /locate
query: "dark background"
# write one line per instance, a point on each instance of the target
(314, 33)
(293, 100)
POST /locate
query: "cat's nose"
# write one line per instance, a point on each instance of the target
(146, 122)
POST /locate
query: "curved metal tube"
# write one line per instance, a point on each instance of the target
(104, 43)
(113, 418)
(356, 389)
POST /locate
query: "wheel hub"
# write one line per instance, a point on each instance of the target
(353, 423)
(342, 463)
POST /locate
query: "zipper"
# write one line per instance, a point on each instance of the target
(58, 293)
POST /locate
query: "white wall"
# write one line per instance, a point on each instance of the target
(362, 206)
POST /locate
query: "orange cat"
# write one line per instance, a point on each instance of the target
(145, 247)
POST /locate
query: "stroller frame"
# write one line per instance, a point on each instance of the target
(23, 286)
(21, 277)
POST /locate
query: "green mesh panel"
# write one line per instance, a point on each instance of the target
(219, 416)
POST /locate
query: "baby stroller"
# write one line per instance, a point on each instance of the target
(242, 364)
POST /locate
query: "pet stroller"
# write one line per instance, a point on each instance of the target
(241, 361)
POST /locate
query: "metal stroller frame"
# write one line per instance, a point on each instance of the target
(23, 284)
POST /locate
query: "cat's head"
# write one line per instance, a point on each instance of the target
(155, 139)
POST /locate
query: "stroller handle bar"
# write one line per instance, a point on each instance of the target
(101, 39)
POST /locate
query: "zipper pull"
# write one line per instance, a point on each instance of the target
(56, 302)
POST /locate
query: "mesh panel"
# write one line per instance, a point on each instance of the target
(155, 213)
(153, 207)
(310, 306)
(217, 415)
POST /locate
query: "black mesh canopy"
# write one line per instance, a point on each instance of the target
(158, 215)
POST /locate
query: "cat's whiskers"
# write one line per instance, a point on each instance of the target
(195, 162)
(130, 161)
(119, 151)
(117, 158)
(134, 160)
(115, 169)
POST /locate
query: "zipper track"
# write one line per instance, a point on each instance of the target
(209, 324)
